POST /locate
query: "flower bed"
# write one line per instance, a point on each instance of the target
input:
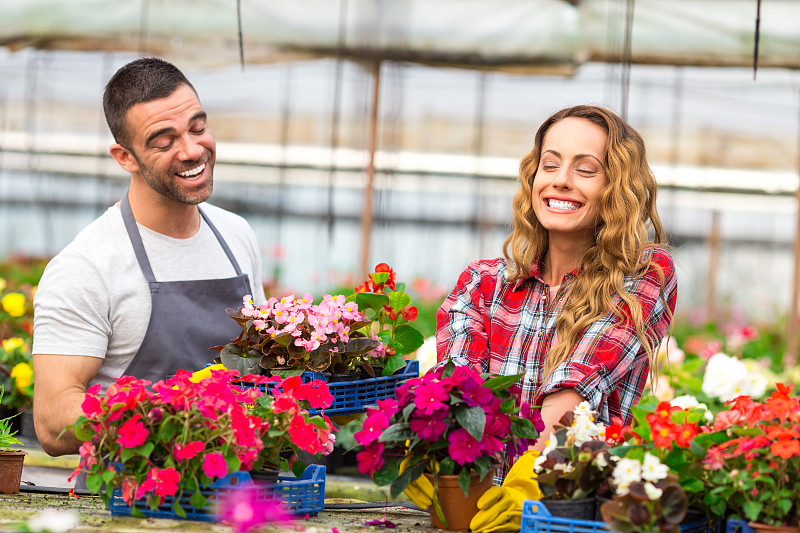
(303, 496)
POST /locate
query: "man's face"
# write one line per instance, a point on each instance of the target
(173, 146)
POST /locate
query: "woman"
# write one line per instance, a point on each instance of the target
(586, 290)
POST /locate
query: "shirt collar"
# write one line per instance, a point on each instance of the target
(536, 275)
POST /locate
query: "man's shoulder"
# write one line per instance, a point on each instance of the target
(98, 240)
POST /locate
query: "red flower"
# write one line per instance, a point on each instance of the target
(410, 313)
(685, 433)
(166, 481)
(214, 465)
(188, 451)
(132, 433)
(785, 448)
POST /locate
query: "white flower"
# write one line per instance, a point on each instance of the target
(549, 446)
(622, 488)
(53, 521)
(652, 491)
(687, 401)
(669, 350)
(724, 377)
(564, 467)
(653, 469)
(756, 382)
(584, 409)
(627, 471)
(600, 461)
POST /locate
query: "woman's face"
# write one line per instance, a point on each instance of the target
(570, 177)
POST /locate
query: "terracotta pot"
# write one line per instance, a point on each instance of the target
(458, 509)
(11, 471)
(758, 527)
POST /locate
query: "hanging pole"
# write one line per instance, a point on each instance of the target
(714, 241)
(366, 213)
(790, 357)
(626, 59)
(239, 28)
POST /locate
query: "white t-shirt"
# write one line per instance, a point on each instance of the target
(94, 300)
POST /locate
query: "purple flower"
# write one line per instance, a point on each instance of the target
(430, 427)
(463, 447)
(244, 510)
(534, 415)
(476, 394)
(430, 397)
(497, 426)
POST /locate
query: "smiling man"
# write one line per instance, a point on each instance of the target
(142, 290)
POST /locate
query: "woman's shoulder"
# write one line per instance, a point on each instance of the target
(659, 257)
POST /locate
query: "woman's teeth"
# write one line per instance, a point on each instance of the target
(560, 204)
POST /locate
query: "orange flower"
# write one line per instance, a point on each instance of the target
(785, 448)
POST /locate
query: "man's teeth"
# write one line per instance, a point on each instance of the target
(193, 172)
(560, 204)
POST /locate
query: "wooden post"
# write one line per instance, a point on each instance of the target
(366, 213)
(714, 241)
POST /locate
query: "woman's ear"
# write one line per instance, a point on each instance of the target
(124, 158)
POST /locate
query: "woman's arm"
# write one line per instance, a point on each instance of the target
(554, 406)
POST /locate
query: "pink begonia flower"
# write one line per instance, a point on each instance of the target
(188, 451)
(92, 406)
(430, 397)
(132, 433)
(245, 510)
(430, 427)
(371, 459)
(373, 427)
(463, 447)
(214, 465)
(305, 302)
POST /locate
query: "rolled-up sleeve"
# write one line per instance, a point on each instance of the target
(460, 329)
(608, 365)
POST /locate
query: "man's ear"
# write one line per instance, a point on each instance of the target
(124, 158)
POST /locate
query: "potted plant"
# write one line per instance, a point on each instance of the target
(11, 460)
(182, 435)
(453, 425)
(754, 471)
(338, 335)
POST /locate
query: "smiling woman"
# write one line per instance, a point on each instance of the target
(586, 290)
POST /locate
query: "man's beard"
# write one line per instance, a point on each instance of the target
(168, 186)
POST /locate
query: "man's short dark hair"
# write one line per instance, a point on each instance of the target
(139, 81)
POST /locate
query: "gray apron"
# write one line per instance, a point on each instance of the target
(187, 317)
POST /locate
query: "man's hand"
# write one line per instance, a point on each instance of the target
(500, 508)
(59, 388)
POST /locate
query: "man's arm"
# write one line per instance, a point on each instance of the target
(60, 385)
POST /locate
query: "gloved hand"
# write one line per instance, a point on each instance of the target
(420, 490)
(500, 508)
(204, 373)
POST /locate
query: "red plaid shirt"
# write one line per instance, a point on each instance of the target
(506, 328)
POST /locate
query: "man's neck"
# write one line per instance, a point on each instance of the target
(162, 215)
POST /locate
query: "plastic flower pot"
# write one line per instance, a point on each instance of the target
(582, 509)
(457, 508)
(11, 471)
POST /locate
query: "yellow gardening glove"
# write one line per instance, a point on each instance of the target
(419, 491)
(200, 375)
(500, 508)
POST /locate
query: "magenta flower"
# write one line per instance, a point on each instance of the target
(166, 481)
(371, 459)
(430, 427)
(214, 465)
(246, 509)
(388, 406)
(476, 394)
(132, 433)
(430, 397)
(463, 447)
(373, 427)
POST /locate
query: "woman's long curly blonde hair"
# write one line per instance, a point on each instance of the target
(626, 214)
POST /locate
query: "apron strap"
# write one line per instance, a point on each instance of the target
(138, 246)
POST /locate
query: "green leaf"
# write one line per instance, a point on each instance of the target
(370, 300)
(168, 430)
(463, 481)
(82, 431)
(399, 300)
(298, 468)
(752, 510)
(126, 454)
(137, 513)
(692, 485)
(197, 500)
(502, 382)
(408, 410)
(176, 507)
(287, 372)
(447, 466)
(410, 338)
(396, 432)
(393, 364)
(93, 483)
(108, 475)
(523, 428)
(380, 277)
(145, 449)
(386, 474)
(473, 419)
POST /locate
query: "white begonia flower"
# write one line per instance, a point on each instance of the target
(600, 461)
(687, 401)
(53, 521)
(724, 377)
(756, 382)
(583, 409)
(652, 491)
(549, 446)
(627, 471)
(622, 488)
(653, 469)
(564, 467)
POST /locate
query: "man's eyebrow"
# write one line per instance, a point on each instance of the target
(200, 115)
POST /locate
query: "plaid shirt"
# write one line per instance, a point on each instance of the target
(506, 328)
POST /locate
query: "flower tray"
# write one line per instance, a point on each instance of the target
(537, 519)
(350, 397)
(304, 496)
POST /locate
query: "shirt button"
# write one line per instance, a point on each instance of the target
(532, 379)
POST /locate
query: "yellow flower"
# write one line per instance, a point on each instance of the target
(14, 303)
(12, 344)
(22, 374)
(2, 284)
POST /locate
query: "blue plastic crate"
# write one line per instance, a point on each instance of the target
(737, 526)
(303, 496)
(537, 519)
(351, 397)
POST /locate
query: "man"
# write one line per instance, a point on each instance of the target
(143, 289)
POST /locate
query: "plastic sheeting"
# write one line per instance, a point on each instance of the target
(518, 35)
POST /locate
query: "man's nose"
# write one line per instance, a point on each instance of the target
(190, 149)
